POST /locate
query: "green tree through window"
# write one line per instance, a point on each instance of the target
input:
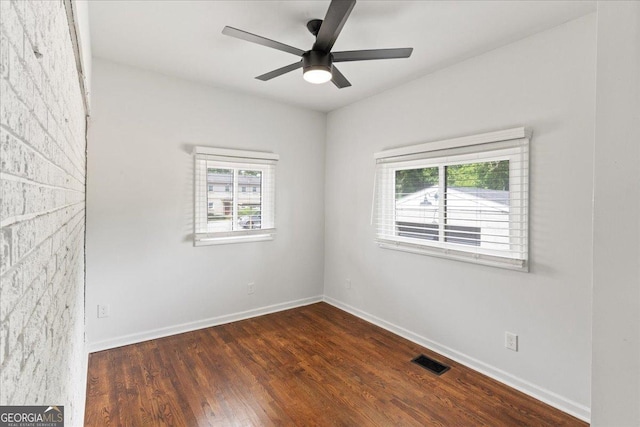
(492, 175)
(487, 175)
(411, 180)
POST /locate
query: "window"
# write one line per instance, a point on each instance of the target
(234, 215)
(465, 198)
(210, 187)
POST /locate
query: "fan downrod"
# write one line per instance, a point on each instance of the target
(314, 26)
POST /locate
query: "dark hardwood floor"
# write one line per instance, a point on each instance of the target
(310, 366)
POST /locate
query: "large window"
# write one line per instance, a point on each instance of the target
(224, 211)
(465, 198)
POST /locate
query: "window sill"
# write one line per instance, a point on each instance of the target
(474, 258)
(207, 239)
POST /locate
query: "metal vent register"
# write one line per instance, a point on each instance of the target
(431, 365)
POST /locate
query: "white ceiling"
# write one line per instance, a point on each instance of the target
(184, 39)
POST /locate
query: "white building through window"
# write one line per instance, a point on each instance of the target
(224, 211)
(465, 198)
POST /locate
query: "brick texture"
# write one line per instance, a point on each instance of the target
(42, 210)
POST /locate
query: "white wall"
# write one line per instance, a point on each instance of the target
(140, 256)
(616, 230)
(546, 82)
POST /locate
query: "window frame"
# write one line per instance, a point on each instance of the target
(511, 144)
(223, 158)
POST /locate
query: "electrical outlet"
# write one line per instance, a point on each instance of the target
(511, 341)
(251, 288)
(103, 310)
(347, 283)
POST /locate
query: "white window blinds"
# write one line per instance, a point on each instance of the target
(465, 198)
(223, 212)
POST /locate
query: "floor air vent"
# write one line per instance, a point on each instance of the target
(430, 364)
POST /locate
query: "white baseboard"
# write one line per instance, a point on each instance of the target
(200, 324)
(570, 407)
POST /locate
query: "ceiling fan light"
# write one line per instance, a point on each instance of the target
(317, 75)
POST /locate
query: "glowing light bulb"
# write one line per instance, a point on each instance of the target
(317, 75)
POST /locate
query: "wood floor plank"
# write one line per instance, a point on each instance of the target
(311, 366)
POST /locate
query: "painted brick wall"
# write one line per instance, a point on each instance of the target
(42, 212)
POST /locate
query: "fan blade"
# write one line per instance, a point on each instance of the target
(332, 24)
(366, 55)
(339, 79)
(280, 71)
(239, 34)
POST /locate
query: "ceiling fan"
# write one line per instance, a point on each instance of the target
(317, 63)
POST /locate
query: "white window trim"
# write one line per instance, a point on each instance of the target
(233, 159)
(465, 149)
(465, 141)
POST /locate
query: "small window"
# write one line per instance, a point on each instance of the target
(231, 217)
(464, 199)
(210, 187)
(255, 189)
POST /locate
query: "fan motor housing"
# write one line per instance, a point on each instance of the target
(316, 60)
